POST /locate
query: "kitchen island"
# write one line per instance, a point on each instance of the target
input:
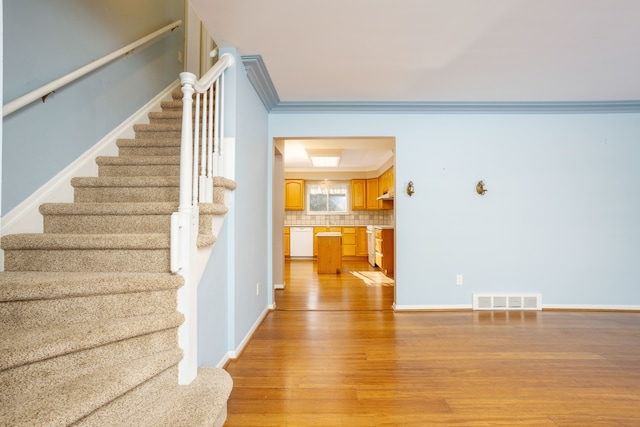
(329, 252)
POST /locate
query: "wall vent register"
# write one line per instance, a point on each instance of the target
(507, 301)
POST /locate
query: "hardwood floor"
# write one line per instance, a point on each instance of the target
(321, 364)
(307, 290)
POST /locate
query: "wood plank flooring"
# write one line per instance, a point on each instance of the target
(325, 365)
(307, 290)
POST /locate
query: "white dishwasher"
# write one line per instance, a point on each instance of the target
(301, 242)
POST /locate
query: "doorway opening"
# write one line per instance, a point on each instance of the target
(349, 197)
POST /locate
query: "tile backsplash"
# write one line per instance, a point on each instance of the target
(385, 217)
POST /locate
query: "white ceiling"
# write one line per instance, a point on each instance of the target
(435, 50)
(356, 154)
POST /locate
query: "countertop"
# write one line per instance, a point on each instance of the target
(329, 234)
(343, 225)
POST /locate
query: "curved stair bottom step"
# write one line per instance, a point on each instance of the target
(162, 403)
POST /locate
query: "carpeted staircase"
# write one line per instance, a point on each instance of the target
(88, 318)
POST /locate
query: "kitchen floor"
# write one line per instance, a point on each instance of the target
(307, 290)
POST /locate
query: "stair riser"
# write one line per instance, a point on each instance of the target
(126, 194)
(116, 224)
(149, 151)
(150, 134)
(25, 379)
(74, 401)
(139, 170)
(107, 224)
(87, 260)
(172, 117)
(38, 313)
(121, 406)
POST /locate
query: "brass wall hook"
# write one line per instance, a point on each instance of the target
(410, 189)
(480, 188)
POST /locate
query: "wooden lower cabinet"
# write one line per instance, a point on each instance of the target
(348, 241)
(287, 241)
(354, 240)
(317, 230)
(384, 250)
(362, 242)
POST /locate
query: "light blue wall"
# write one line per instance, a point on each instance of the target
(213, 306)
(561, 215)
(253, 154)
(44, 40)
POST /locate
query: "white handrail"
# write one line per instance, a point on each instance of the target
(24, 100)
(225, 61)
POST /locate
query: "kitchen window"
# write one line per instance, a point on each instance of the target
(327, 197)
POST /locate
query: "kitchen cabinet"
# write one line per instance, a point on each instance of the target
(329, 248)
(287, 241)
(384, 250)
(358, 194)
(386, 185)
(348, 241)
(362, 243)
(294, 194)
(386, 182)
(372, 194)
(317, 230)
(354, 240)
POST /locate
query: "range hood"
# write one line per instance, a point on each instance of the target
(385, 196)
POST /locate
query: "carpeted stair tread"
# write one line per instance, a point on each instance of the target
(152, 142)
(157, 127)
(226, 183)
(205, 240)
(120, 217)
(137, 160)
(18, 384)
(126, 181)
(65, 403)
(21, 346)
(149, 147)
(113, 208)
(199, 404)
(122, 208)
(26, 285)
(31, 241)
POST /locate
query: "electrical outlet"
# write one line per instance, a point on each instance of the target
(258, 288)
(459, 279)
(180, 56)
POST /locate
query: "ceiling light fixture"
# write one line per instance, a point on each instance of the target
(324, 158)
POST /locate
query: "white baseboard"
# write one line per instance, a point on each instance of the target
(397, 307)
(586, 307)
(591, 307)
(235, 353)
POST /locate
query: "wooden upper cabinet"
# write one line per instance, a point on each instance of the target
(294, 194)
(372, 194)
(387, 182)
(358, 194)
